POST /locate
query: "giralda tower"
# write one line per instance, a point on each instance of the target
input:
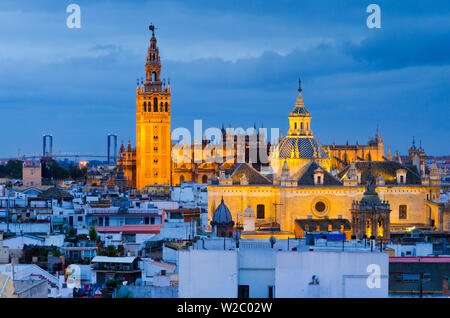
(153, 142)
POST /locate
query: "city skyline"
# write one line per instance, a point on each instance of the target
(79, 84)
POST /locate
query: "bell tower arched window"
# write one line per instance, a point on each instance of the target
(166, 107)
(162, 107)
(145, 106)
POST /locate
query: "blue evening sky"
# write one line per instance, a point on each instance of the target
(230, 62)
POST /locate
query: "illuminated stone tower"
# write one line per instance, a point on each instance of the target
(153, 142)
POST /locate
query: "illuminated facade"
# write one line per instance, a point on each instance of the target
(302, 186)
(153, 142)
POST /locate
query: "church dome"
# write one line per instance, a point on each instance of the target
(222, 215)
(306, 146)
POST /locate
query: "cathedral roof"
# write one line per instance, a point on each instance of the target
(253, 176)
(307, 176)
(222, 215)
(307, 147)
(385, 169)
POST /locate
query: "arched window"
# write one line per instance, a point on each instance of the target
(162, 107)
(155, 104)
(369, 227)
(145, 106)
(301, 126)
(260, 213)
(166, 107)
(402, 211)
(380, 228)
(205, 179)
(154, 77)
(295, 125)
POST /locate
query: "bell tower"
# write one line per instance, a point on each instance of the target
(153, 134)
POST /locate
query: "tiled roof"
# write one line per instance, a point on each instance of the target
(222, 215)
(55, 193)
(307, 176)
(305, 145)
(253, 176)
(385, 169)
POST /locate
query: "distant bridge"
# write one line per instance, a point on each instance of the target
(69, 155)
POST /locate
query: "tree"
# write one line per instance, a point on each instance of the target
(93, 234)
(12, 169)
(111, 251)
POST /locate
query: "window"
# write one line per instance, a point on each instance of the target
(167, 108)
(319, 180)
(401, 179)
(31, 171)
(181, 179)
(403, 211)
(260, 211)
(271, 291)
(155, 104)
(146, 220)
(295, 125)
(243, 291)
(162, 107)
(301, 126)
(107, 221)
(205, 179)
(145, 106)
(320, 206)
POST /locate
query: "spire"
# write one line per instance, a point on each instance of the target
(153, 65)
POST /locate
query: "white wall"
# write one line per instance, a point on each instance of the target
(17, 242)
(26, 227)
(416, 249)
(209, 274)
(257, 269)
(341, 274)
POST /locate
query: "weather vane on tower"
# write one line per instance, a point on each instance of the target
(152, 28)
(299, 85)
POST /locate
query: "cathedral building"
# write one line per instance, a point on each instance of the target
(302, 185)
(301, 180)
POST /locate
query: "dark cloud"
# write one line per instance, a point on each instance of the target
(229, 62)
